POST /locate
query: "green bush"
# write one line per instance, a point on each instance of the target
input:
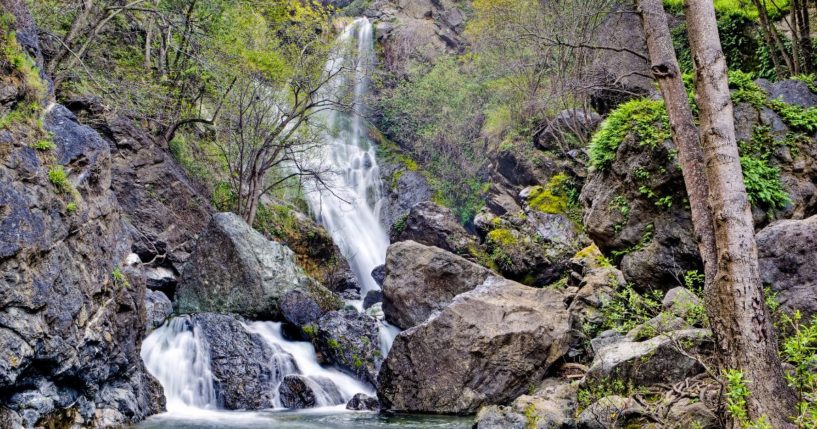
(763, 184)
(645, 119)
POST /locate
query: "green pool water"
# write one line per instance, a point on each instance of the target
(319, 419)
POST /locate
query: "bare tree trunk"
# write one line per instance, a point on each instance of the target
(666, 71)
(773, 41)
(805, 38)
(738, 314)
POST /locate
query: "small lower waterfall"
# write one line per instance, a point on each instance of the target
(177, 355)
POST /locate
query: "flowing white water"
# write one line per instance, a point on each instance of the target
(351, 211)
(177, 355)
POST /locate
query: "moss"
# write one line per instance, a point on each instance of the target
(333, 344)
(645, 119)
(71, 208)
(310, 330)
(502, 237)
(44, 145)
(551, 198)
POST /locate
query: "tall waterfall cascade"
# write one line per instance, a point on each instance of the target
(178, 354)
(351, 211)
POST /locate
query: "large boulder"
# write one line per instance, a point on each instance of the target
(552, 405)
(351, 341)
(234, 269)
(363, 402)
(430, 224)
(487, 347)
(662, 359)
(788, 263)
(407, 189)
(421, 280)
(246, 368)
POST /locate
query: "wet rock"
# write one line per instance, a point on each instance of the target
(379, 274)
(372, 298)
(421, 280)
(611, 412)
(487, 347)
(235, 269)
(363, 402)
(157, 308)
(552, 405)
(299, 308)
(299, 392)
(657, 360)
(246, 368)
(430, 224)
(351, 341)
(787, 252)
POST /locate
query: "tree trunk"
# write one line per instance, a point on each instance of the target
(666, 71)
(738, 315)
(773, 42)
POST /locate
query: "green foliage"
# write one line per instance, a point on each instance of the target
(737, 394)
(119, 279)
(400, 224)
(556, 197)
(592, 391)
(628, 309)
(44, 145)
(809, 79)
(58, 178)
(763, 184)
(694, 281)
(333, 344)
(310, 330)
(646, 238)
(646, 120)
(744, 89)
(800, 118)
(799, 349)
(71, 207)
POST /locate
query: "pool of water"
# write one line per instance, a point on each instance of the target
(328, 418)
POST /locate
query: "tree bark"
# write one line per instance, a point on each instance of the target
(738, 315)
(665, 70)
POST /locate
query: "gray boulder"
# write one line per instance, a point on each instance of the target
(234, 269)
(421, 280)
(787, 251)
(408, 188)
(299, 392)
(363, 402)
(657, 360)
(351, 341)
(379, 274)
(430, 224)
(299, 308)
(247, 369)
(157, 308)
(551, 406)
(487, 347)
(372, 297)
(681, 301)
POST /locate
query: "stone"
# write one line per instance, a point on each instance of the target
(246, 368)
(234, 269)
(687, 414)
(409, 189)
(552, 405)
(372, 298)
(657, 360)
(611, 412)
(787, 253)
(351, 341)
(681, 301)
(487, 347)
(379, 274)
(421, 280)
(432, 225)
(299, 308)
(363, 402)
(157, 308)
(299, 392)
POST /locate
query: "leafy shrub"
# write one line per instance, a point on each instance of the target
(763, 184)
(799, 349)
(58, 178)
(645, 119)
(628, 309)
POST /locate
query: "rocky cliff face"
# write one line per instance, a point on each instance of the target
(75, 202)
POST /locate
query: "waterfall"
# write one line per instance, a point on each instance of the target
(177, 355)
(350, 212)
